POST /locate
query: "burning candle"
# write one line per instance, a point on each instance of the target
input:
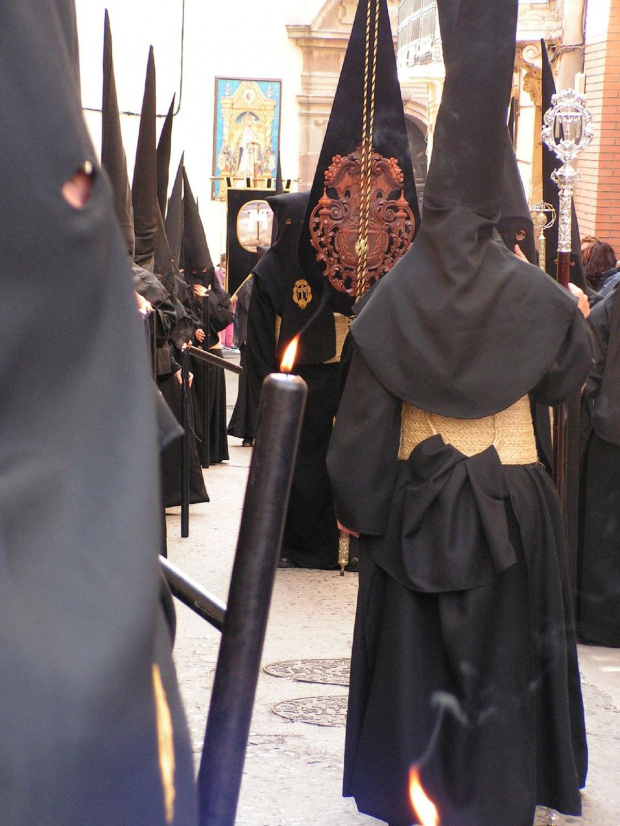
(282, 404)
(425, 809)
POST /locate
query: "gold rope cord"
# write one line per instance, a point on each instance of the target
(368, 122)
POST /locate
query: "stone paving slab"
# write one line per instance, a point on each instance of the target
(293, 770)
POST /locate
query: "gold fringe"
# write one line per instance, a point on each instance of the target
(165, 738)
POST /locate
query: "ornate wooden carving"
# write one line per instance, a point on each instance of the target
(335, 229)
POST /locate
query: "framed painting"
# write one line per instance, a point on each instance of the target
(247, 134)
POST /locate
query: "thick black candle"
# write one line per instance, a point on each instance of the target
(260, 538)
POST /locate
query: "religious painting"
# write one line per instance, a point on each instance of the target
(247, 134)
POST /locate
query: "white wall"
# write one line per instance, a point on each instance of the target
(227, 38)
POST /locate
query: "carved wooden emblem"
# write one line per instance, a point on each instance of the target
(335, 229)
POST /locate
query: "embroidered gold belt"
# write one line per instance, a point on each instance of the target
(510, 431)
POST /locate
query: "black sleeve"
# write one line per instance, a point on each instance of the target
(571, 367)
(261, 351)
(363, 452)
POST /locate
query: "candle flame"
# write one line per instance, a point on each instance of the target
(423, 806)
(290, 354)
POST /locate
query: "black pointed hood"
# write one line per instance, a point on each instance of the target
(144, 188)
(461, 326)
(275, 267)
(79, 496)
(164, 149)
(113, 157)
(515, 224)
(163, 266)
(174, 216)
(551, 194)
(68, 21)
(368, 103)
(197, 258)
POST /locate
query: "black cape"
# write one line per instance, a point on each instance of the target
(599, 563)
(422, 330)
(82, 623)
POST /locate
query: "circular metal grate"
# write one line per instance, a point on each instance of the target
(316, 711)
(322, 672)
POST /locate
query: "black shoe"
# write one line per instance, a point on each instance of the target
(287, 562)
(353, 565)
(247, 443)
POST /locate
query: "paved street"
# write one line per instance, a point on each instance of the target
(293, 769)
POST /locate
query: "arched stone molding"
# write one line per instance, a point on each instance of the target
(323, 42)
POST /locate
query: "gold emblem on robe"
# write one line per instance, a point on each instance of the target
(302, 293)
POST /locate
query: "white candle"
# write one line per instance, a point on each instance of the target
(580, 83)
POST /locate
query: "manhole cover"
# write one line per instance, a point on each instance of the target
(316, 711)
(322, 672)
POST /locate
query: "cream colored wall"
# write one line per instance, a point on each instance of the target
(222, 39)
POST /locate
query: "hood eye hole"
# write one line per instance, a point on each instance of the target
(78, 189)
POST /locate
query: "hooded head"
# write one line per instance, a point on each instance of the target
(363, 209)
(164, 148)
(280, 266)
(113, 157)
(443, 330)
(515, 225)
(174, 216)
(197, 258)
(144, 188)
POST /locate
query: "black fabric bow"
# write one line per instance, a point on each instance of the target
(448, 529)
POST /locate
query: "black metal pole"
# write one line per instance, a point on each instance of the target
(211, 358)
(190, 593)
(185, 444)
(559, 412)
(153, 347)
(206, 317)
(260, 538)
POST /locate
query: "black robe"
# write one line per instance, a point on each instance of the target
(310, 533)
(504, 649)
(599, 562)
(243, 420)
(209, 380)
(80, 611)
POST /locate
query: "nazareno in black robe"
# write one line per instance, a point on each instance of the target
(209, 380)
(461, 328)
(80, 611)
(598, 618)
(242, 423)
(311, 532)
(506, 650)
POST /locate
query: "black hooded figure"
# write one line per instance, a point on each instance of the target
(213, 310)
(311, 532)
(92, 725)
(598, 603)
(464, 599)
(360, 216)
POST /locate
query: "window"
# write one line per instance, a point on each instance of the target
(417, 31)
